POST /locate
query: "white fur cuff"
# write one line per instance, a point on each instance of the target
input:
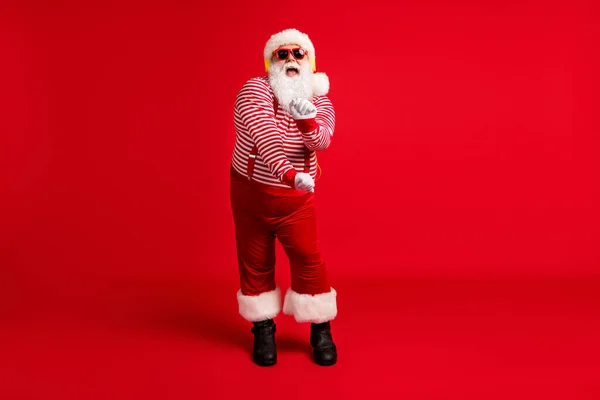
(261, 307)
(316, 308)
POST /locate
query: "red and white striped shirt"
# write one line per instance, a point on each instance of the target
(280, 140)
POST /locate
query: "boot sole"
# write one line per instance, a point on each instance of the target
(326, 363)
(265, 363)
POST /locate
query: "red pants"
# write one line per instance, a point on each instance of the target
(262, 213)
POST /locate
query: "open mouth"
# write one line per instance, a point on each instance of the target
(291, 71)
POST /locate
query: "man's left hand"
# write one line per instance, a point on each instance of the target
(302, 109)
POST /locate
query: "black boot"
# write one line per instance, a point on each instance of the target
(265, 351)
(324, 350)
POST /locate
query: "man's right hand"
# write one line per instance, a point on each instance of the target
(302, 109)
(304, 182)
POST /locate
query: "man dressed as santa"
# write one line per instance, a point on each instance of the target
(281, 121)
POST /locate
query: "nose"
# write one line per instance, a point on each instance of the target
(290, 56)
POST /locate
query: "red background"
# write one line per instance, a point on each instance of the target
(466, 149)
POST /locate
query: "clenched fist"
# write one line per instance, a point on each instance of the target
(302, 109)
(304, 182)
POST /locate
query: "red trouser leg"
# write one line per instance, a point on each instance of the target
(298, 235)
(255, 242)
(256, 256)
(310, 298)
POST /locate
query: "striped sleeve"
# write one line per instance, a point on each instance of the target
(254, 104)
(317, 133)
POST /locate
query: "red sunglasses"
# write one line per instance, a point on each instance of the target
(283, 53)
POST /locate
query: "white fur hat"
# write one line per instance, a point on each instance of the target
(294, 36)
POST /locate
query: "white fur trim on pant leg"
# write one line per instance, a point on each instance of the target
(260, 307)
(316, 308)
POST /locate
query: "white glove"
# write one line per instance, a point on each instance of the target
(302, 109)
(304, 182)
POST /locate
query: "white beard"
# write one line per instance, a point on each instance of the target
(288, 88)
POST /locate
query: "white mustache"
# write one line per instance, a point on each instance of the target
(292, 64)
